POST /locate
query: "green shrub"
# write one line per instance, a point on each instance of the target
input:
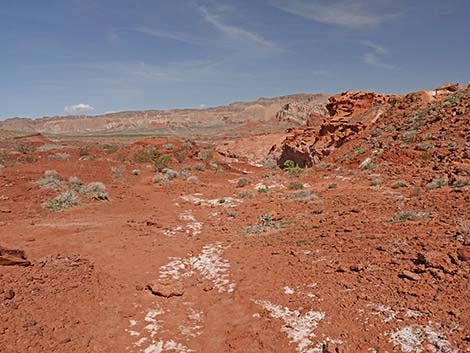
(206, 155)
(436, 184)
(63, 201)
(51, 180)
(110, 148)
(246, 194)
(359, 150)
(146, 156)
(295, 185)
(180, 156)
(407, 216)
(291, 168)
(95, 190)
(118, 172)
(375, 183)
(83, 151)
(243, 182)
(398, 184)
(161, 162)
(199, 167)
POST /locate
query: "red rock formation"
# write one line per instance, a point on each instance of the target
(349, 104)
(309, 145)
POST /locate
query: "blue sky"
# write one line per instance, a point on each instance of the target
(97, 56)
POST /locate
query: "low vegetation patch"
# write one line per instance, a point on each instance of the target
(63, 201)
(436, 184)
(303, 196)
(405, 216)
(51, 180)
(243, 182)
(291, 168)
(60, 156)
(266, 223)
(296, 185)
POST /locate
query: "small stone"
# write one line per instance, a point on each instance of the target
(464, 253)
(30, 323)
(410, 275)
(10, 294)
(166, 289)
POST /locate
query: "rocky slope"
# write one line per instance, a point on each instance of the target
(202, 121)
(362, 127)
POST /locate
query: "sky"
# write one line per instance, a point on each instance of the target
(63, 57)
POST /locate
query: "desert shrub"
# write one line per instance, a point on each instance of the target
(118, 172)
(359, 150)
(185, 171)
(291, 168)
(216, 167)
(332, 186)
(95, 190)
(377, 132)
(232, 214)
(161, 179)
(206, 155)
(375, 183)
(161, 162)
(302, 196)
(263, 190)
(145, 156)
(75, 183)
(26, 149)
(168, 146)
(110, 148)
(398, 184)
(393, 101)
(424, 146)
(135, 172)
(60, 156)
(83, 151)
(51, 180)
(192, 179)
(265, 224)
(436, 184)
(405, 216)
(180, 156)
(296, 185)
(461, 182)
(170, 173)
(409, 136)
(246, 194)
(243, 182)
(31, 159)
(199, 166)
(63, 201)
(187, 145)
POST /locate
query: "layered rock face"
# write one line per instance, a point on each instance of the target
(308, 146)
(355, 115)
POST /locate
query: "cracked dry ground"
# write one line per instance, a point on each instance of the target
(196, 268)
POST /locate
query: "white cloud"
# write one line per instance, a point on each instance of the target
(179, 37)
(374, 57)
(349, 13)
(233, 32)
(78, 109)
